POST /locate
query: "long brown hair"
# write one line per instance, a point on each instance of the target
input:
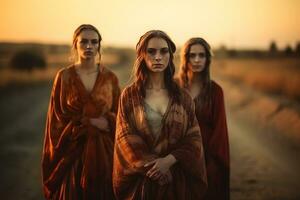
(205, 94)
(141, 70)
(78, 30)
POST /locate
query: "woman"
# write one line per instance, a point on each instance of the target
(209, 103)
(158, 147)
(79, 136)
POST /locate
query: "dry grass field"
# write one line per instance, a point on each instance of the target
(279, 76)
(262, 167)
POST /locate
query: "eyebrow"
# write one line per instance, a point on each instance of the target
(158, 48)
(88, 39)
(197, 52)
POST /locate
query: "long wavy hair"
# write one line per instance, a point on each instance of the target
(141, 71)
(185, 70)
(79, 29)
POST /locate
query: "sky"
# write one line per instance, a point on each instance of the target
(233, 23)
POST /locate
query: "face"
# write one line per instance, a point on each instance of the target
(157, 55)
(87, 44)
(197, 58)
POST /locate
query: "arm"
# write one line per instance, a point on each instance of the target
(189, 152)
(131, 151)
(62, 136)
(219, 144)
(111, 116)
(107, 122)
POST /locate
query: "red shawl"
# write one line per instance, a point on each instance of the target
(212, 121)
(77, 157)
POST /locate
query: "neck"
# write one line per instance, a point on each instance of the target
(194, 77)
(156, 81)
(87, 64)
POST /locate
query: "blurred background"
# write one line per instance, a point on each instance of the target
(256, 46)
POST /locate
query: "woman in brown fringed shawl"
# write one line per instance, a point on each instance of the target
(158, 147)
(79, 135)
(210, 111)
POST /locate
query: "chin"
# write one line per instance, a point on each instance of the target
(198, 69)
(158, 69)
(88, 57)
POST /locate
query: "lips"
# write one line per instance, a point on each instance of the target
(88, 52)
(197, 66)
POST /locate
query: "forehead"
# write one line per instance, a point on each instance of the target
(88, 34)
(197, 48)
(157, 43)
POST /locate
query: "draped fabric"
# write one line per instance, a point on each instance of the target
(213, 125)
(77, 156)
(135, 145)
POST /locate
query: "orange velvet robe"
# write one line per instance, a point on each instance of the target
(212, 122)
(135, 145)
(77, 157)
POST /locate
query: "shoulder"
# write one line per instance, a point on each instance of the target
(110, 75)
(186, 99)
(63, 73)
(216, 88)
(217, 92)
(129, 91)
(129, 98)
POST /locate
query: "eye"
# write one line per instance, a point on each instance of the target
(151, 51)
(202, 55)
(192, 55)
(83, 41)
(164, 51)
(94, 42)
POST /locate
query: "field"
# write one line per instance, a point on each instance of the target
(263, 122)
(275, 76)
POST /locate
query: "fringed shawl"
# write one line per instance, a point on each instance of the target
(135, 145)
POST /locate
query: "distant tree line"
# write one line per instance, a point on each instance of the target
(33, 55)
(27, 59)
(27, 56)
(273, 51)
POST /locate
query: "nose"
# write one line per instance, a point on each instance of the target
(88, 45)
(158, 56)
(197, 58)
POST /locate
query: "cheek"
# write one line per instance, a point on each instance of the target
(79, 49)
(167, 59)
(148, 61)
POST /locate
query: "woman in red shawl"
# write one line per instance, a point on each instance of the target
(158, 147)
(209, 103)
(79, 135)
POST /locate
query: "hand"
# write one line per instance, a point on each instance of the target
(165, 179)
(101, 123)
(160, 166)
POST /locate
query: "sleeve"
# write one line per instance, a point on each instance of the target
(131, 151)
(59, 141)
(189, 152)
(219, 144)
(218, 163)
(111, 116)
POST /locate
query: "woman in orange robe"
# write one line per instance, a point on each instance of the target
(210, 111)
(158, 147)
(79, 135)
